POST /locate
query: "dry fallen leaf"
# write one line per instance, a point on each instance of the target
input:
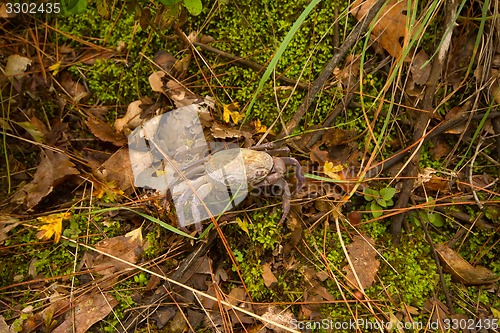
(90, 310)
(7, 223)
(128, 248)
(461, 270)
(74, 88)
(117, 169)
(156, 81)
(364, 261)
(419, 72)
(390, 28)
(131, 119)
(181, 95)
(275, 315)
(259, 128)
(51, 171)
(456, 112)
(16, 66)
(52, 226)
(36, 128)
(269, 278)
(103, 131)
(5, 14)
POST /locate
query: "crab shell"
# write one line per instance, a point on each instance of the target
(239, 166)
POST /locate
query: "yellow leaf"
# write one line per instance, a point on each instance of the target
(52, 226)
(110, 190)
(495, 313)
(55, 67)
(332, 171)
(259, 128)
(243, 224)
(231, 112)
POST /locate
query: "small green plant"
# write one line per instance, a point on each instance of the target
(194, 7)
(265, 230)
(378, 200)
(141, 279)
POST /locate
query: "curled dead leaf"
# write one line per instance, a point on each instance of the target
(461, 270)
(51, 171)
(131, 119)
(103, 131)
(156, 81)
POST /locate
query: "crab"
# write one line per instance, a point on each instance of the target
(231, 171)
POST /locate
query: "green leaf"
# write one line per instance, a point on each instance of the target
(387, 193)
(73, 7)
(376, 210)
(33, 130)
(436, 220)
(104, 9)
(194, 7)
(381, 202)
(169, 2)
(370, 194)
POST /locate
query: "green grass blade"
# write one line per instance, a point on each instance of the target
(279, 53)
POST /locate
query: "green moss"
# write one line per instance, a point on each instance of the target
(124, 77)
(264, 28)
(415, 279)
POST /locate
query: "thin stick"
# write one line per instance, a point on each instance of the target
(250, 64)
(327, 71)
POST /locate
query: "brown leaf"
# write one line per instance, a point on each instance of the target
(128, 247)
(165, 60)
(236, 296)
(4, 13)
(7, 223)
(420, 74)
(455, 112)
(461, 270)
(317, 155)
(3, 325)
(390, 29)
(364, 261)
(74, 88)
(440, 148)
(428, 179)
(156, 81)
(131, 119)
(89, 311)
(51, 171)
(181, 95)
(269, 279)
(117, 169)
(220, 131)
(103, 131)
